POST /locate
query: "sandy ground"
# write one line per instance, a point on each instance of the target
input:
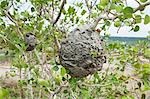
(4, 68)
(129, 71)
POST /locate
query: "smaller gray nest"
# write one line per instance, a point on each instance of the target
(82, 52)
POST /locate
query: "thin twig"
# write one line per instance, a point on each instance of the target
(94, 3)
(59, 89)
(59, 14)
(88, 7)
(118, 29)
(138, 2)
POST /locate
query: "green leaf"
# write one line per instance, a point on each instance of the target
(56, 68)
(4, 93)
(63, 71)
(43, 82)
(128, 11)
(71, 10)
(4, 4)
(32, 9)
(83, 12)
(107, 23)
(147, 53)
(136, 28)
(77, 20)
(104, 2)
(138, 19)
(118, 8)
(143, 1)
(117, 24)
(146, 19)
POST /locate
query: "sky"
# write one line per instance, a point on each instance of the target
(125, 31)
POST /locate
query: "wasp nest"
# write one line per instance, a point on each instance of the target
(82, 52)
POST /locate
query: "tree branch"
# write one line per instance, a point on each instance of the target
(140, 7)
(59, 14)
(12, 20)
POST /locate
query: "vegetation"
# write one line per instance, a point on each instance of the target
(51, 20)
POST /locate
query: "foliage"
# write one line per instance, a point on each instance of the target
(43, 77)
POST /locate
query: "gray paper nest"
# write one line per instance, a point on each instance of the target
(82, 52)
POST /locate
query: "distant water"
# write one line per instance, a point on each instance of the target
(129, 40)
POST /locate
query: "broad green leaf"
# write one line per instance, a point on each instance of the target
(119, 8)
(143, 1)
(136, 28)
(63, 71)
(1, 94)
(128, 11)
(117, 24)
(146, 19)
(100, 7)
(71, 10)
(104, 2)
(58, 80)
(4, 4)
(83, 12)
(4, 93)
(147, 53)
(43, 82)
(138, 19)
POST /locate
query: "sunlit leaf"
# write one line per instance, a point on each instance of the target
(43, 82)
(143, 1)
(117, 24)
(63, 71)
(119, 8)
(104, 2)
(71, 10)
(128, 11)
(147, 53)
(147, 19)
(138, 18)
